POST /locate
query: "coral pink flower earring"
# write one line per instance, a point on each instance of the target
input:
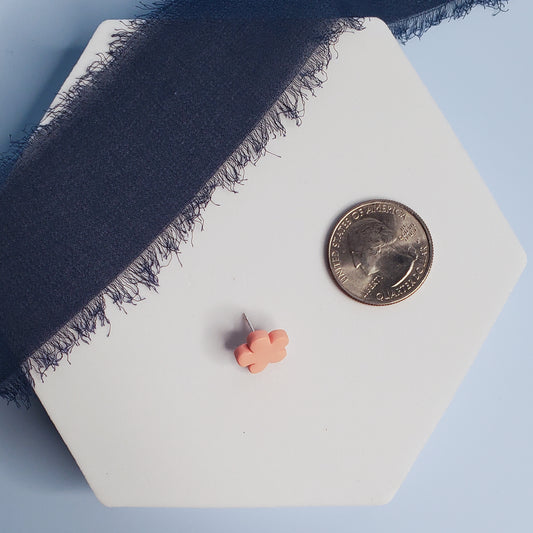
(262, 348)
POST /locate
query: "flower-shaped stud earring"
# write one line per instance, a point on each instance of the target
(261, 348)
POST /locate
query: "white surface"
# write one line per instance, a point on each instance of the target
(158, 413)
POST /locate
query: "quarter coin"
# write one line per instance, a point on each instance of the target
(380, 252)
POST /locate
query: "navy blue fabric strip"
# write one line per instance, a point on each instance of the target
(387, 10)
(83, 203)
(90, 193)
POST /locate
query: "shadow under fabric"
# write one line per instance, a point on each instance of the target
(93, 203)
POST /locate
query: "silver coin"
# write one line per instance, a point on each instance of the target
(380, 252)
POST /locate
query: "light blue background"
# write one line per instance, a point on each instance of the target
(475, 473)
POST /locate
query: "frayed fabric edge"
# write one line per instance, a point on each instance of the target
(144, 270)
(417, 25)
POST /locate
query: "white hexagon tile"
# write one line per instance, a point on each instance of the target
(158, 413)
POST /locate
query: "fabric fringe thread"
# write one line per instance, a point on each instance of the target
(417, 25)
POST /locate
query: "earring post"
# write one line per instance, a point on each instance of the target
(248, 322)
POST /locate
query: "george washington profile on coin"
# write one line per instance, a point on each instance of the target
(380, 252)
